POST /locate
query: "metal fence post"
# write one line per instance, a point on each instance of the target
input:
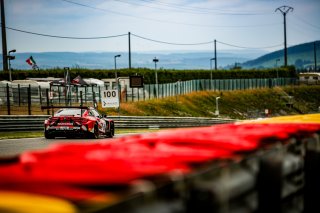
(126, 90)
(155, 91)
(270, 83)
(119, 94)
(132, 94)
(8, 100)
(40, 95)
(47, 96)
(144, 93)
(94, 99)
(29, 99)
(59, 94)
(19, 95)
(81, 100)
(93, 94)
(85, 95)
(162, 88)
(65, 96)
(77, 95)
(176, 89)
(99, 90)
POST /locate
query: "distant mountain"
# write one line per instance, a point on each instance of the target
(105, 60)
(301, 56)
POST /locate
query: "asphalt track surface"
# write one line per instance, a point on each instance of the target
(13, 147)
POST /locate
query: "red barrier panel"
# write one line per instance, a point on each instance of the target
(66, 168)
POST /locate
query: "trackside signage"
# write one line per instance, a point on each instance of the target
(110, 98)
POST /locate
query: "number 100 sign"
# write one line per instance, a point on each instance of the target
(110, 98)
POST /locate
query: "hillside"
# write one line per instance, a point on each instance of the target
(105, 60)
(301, 56)
(241, 104)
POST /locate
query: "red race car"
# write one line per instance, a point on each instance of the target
(77, 122)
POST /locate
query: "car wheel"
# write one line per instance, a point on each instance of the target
(111, 133)
(47, 135)
(95, 134)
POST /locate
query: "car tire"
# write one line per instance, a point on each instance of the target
(111, 133)
(47, 135)
(95, 134)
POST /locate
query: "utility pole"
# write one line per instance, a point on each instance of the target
(129, 37)
(4, 37)
(284, 10)
(215, 54)
(315, 55)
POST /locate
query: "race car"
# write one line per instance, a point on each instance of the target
(80, 121)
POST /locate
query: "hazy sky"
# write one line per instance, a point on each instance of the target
(245, 23)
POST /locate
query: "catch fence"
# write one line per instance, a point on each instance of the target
(27, 99)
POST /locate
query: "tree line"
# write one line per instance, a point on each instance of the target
(164, 75)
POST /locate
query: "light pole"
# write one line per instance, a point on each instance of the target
(115, 68)
(67, 86)
(178, 89)
(116, 79)
(211, 59)
(215, 55)
(155, 60)
(217, 106)
(10, 57)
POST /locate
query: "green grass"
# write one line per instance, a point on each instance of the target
(239, 104)
(15, 135)
(37, 134)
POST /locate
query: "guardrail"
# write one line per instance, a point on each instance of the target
(35, 122)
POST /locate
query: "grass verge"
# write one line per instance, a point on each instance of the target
(37, 134)
(237, 104)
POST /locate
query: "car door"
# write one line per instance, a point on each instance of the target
(101, 122)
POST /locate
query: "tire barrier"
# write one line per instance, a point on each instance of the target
(269, 165)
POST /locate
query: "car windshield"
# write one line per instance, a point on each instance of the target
(69, 112)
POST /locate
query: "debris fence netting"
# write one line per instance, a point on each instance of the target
(268, 165)
(26, 98)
